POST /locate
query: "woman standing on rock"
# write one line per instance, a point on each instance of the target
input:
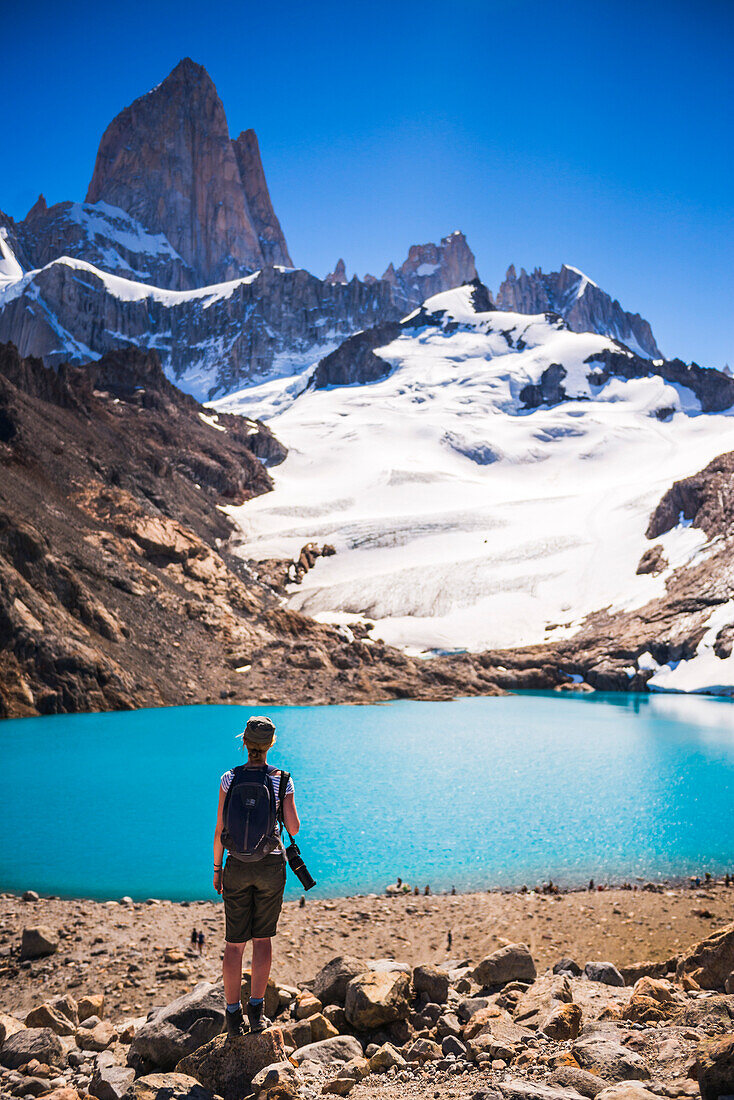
(254, 800)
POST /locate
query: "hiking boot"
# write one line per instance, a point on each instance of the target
(235, 1022)
(258, 1022)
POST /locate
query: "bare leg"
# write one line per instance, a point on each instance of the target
(232, 971)
(262, 957)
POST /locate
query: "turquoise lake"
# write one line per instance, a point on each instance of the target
(476, 793)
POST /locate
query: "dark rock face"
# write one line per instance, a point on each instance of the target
(286, 313)
(705, 499)
(582, 304)
(270, 235)
(713, 388)
(549, 391)
(168, 160)
(354, 361)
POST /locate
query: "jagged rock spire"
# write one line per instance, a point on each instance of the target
(168, 160)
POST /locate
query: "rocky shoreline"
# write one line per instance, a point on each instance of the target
(540, 996)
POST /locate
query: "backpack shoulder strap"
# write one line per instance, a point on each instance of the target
(285, 778)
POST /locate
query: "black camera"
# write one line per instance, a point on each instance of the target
(298, 867)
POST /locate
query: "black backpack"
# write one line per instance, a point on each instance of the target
(250, 814)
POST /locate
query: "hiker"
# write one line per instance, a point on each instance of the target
(194, 939)
(200, 941)
(255, 799)
(449, 940)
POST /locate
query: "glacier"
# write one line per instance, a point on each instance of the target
(462, 518)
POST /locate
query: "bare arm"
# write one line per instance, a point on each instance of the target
(290, 814)
(218, 846)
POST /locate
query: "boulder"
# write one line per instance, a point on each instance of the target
(653, 1000)
(329, 1051)
(627, 1090)
(67, 1006)
(586, 1084)
(91, 1005)
(563, 1022)
(710, 1014)
(423, 1050)
(339, 1086)
(9, 1026)
(28, 1043)
(609, 1059)
(385, 1058)
(377, 998)
(169, 1086)
(227, 1064)
(471, 1005)
(711, 961)
(604, 972)
(336, 1015)
(321, 1028)
(500, 1037)
(715, 1068)
(297, 1033)
(307, 1005)
(330, 984)
(568, 967)
(280, 1075)
(450, 1044)
(356, 1068)
(448, 1024)
(481, 1019)
(111, 1082)
(432, 982)
(388, 966)
(508, 964)
(533, 1090)
(543, 996)
(37, 942)
(96, 1038)
(47, 1016)
(179, 1028)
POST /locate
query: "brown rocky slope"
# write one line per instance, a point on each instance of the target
(117, 588)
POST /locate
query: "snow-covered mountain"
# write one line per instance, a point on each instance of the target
(493, 486)
(580, 301)
(178, 248)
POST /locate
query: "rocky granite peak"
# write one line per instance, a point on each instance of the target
(583, 305)
(168, 160)
(38, 209)
(270, 235)
(339, 274)
(432, 268)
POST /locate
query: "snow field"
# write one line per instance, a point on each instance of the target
(462, 520)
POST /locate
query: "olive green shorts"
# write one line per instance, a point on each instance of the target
(253, 897)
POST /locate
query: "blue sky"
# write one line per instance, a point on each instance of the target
(597, 133)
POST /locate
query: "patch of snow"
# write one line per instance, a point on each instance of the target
(704, 673)
(427, 269)
(10, 269)
(212, 421)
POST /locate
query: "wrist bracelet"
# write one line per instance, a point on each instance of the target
(217, 867)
